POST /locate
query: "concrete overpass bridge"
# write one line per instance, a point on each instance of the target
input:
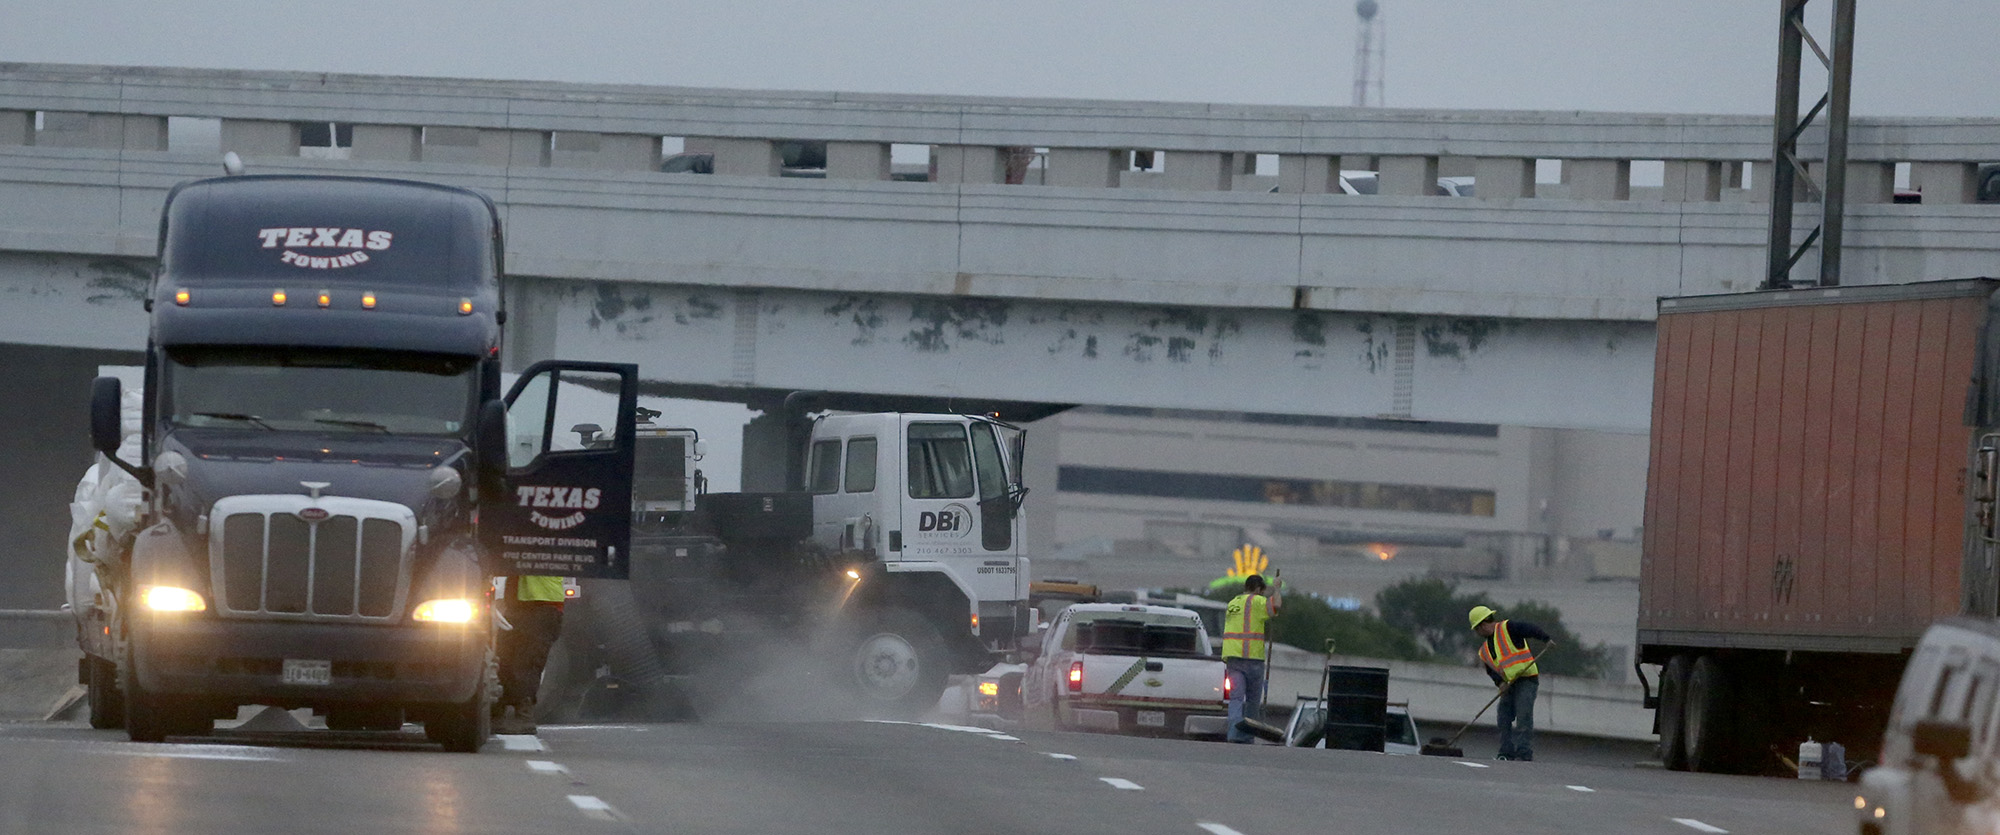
(1033, 264)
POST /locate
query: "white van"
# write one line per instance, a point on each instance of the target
(1940, 770)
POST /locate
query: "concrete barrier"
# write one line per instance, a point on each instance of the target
(1449, 694)
(37, 663)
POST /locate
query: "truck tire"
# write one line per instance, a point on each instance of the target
(107, 702)
(1709, 731)
(1673, 713)
(896, 665)
(153, 718)
(463, 728)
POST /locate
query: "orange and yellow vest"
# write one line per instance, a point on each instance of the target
(1499, 653)
(1243, 627)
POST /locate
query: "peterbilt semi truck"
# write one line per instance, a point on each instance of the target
(898, 559)
(1821, 488)
(330, 473)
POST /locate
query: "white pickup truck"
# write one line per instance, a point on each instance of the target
(1126, 669)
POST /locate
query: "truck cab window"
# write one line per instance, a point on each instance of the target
(940, 462)
(861, 465)
(823, 476)
(317, 390)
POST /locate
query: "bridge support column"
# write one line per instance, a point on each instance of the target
(968, 164)
(1198, 171)
(256, 138)
(1085, 167)
(857, 161)
(605, 151)
(1504, 178)
(1309, 174)
(393, 143)
(1598, 179)
(1407, 176)
(17, 127)
(741, 157)
(1946, 182)
(481, 146)
(1691, 181)
(766, 445)
(1871, 182)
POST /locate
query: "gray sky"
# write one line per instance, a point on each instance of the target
(1915, 57)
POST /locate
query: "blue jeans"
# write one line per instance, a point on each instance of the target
(1246, 687)
(1517, 719)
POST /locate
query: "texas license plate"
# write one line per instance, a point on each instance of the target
(309, 671)
(1152, 719)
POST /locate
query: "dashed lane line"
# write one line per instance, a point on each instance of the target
(1217, 829)
(1122, 783)
(593, 808)
(1473, 765)
(1055, 756)
(1698, 826)
(521, 742)
(1585, 789)
(546, 767)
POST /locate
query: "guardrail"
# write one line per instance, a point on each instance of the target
(36, 629)
(1449, 694)
(971, 140)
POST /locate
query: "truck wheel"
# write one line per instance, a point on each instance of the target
(897, 665)
(1708, 729)
(153, 718)
(1009, 706)
(107, 702)
(1673, 713)
(463, 728)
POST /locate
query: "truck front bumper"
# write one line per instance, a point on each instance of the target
(244, 661)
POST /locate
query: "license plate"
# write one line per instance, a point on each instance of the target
(309, 671)
(1152, 719)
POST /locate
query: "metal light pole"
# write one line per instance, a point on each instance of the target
(1787, 168)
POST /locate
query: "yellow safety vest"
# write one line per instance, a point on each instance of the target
(538, 589)
(1499, 653)
(1243, 627)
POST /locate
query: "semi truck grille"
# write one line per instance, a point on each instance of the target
(275, 561)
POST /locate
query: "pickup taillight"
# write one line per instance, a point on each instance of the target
(1076, 676)
(1228, 686)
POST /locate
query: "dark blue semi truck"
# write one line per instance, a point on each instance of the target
(333, 474)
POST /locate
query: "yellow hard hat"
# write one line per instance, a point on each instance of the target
(1478, 615)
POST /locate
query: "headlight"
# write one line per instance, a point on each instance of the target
(446, 610)
(172, 599)
(989, 688)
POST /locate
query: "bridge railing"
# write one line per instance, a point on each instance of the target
(971, 140)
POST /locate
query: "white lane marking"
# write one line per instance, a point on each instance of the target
(1122, 783)
(1216, 828)
(1003, 737)
(521, 742)
(193, 752)
(600, 727)
(1473, 765)
(1054, 755)
(1698, 826)
(591, 807)
(546, 767)
(1580, 788)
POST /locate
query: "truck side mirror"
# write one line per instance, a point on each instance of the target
(491, 439)
(107, 398)
(1947, 741)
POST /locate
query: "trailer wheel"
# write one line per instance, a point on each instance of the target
(1708, 727)
(463, 728)
(897, 665)
(107, 702)
(1673, 713)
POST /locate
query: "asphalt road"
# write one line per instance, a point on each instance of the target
(852, 777)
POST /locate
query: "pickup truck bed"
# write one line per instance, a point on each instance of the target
(1129, 669)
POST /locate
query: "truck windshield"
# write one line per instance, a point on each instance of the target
(267, 389)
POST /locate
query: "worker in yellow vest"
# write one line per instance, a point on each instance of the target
(1245, 649)
(1507, 659)
(533, 606)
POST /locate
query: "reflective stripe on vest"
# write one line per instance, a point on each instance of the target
(1243, 627)
(1513, 663)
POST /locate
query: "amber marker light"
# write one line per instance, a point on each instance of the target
(465, 307)
(278, 298)
(368, 301)
(325, 299)
(181, 297)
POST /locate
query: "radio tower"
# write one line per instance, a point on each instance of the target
(1369, 48)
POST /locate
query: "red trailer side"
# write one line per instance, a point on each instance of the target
(1805, 507)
